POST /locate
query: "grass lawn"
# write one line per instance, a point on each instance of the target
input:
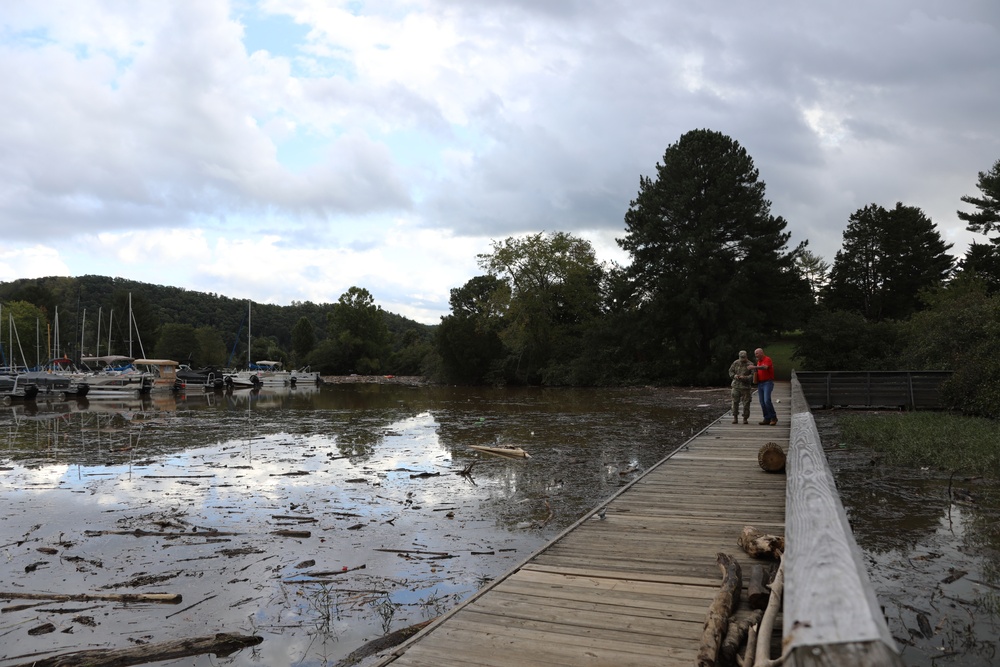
(780, 352)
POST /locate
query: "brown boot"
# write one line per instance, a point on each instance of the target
(746, 421)
(736, 420)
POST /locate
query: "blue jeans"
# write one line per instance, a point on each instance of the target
(764, 390)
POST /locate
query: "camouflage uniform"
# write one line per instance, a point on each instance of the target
(742, 386)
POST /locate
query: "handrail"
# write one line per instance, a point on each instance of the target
(831, 615)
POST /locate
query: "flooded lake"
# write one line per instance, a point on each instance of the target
(931, 541)
(316, 518)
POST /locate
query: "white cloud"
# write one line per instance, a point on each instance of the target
(392, 137)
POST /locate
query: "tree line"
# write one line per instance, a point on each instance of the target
(94, 316)
(710, 272)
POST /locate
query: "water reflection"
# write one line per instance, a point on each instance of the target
(201, 492)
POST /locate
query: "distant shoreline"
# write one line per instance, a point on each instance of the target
(409, 380)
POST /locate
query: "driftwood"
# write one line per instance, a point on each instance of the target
(758, 592)
(771, 458)
(323, 573)
(221, 645)
(382, 643)
(736, 634)
(726, 600)
(138, 532)
(291, 533)
(166, 598)
(761, 545)
(763, 653)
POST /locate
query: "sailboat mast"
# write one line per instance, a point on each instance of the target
(97, 352)
(130, 324)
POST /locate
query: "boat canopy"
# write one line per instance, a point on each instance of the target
(158, 362)
(112, 360)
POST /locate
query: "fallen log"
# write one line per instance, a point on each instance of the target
(221, 645)
(382, 643)
(139, 532)
(165, 598)
(761, 545)
(726, 600)
(771, 457)
(292, 533)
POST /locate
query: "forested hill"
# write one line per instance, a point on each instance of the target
(81, 302)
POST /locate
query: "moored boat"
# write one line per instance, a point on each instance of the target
(13, 389)
(164, 373)
(208, 379)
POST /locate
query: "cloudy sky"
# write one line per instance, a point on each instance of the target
(285, 150)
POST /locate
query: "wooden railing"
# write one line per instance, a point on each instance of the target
(831, 615)
(910, 390)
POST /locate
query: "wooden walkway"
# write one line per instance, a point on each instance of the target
(635, 587)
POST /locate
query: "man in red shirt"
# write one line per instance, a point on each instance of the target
(765, 385)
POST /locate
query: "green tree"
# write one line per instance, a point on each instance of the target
(846, 341)
(814, 270)
(468, 340)
(266, 348)
(134, 326)
(211, 348)
(359, 337)
(553, 281)
(983, 259)
(303, 338)
(21, 326)
(986, 219)
(710, 264)
(178, 342)
(887, 258)
(958, 331)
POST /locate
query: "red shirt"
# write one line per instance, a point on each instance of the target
(765, 374)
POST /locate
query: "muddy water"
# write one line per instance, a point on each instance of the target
(931, 540)
(191, 495)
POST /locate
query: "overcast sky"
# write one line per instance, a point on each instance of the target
(285, 150)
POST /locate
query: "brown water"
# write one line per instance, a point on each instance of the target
(931, 540)
(395, 534)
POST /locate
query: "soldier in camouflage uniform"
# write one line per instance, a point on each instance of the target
(741, 372)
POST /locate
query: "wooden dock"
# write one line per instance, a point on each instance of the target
(634, 587)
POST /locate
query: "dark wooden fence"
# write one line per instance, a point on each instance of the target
(909, 390)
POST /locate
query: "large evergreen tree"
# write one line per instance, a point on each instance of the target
(710, 263)
(983, 259)
(887, 258)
